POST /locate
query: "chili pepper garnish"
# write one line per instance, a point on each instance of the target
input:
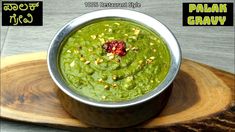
(115, 47)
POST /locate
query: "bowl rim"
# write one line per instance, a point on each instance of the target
(140, 18)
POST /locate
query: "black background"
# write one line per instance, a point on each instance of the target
(37, 14)
(228, 14)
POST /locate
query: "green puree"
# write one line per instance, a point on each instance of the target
(91, 71)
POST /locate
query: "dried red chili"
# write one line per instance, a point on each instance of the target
(115, 47)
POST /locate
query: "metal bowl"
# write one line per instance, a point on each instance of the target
(114, 114)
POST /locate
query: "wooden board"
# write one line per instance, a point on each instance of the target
(202, 97)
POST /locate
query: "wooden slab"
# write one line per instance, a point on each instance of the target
(202, 97)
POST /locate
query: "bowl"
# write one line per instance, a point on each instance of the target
(114, 114)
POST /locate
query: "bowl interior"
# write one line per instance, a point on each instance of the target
(139, 18)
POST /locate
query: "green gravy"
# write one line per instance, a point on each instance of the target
(90, 71)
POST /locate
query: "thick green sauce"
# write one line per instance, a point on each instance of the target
(91, 71)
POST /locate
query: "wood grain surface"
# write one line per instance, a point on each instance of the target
(202, 97)
(213, 46)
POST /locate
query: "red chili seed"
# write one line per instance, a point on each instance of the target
(115, 47)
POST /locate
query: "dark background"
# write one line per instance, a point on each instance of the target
(228, 14)
(37, 14)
